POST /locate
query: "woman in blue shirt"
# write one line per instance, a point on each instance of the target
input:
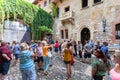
(27, 66)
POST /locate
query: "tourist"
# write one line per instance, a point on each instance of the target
(39, 55)
(56, 46)
(97, 46)
(74, 47)
(27, 66)
(91, 43)
(87, 52)
(46, 58)
(80, 49)
(9, 46)
(115, 71)
(60, 44)
(100, 65)
(104, 49)
(5, 59)
(16, 50)
(67, 59)
(33, 46)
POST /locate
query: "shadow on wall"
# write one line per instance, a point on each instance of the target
(26, 36)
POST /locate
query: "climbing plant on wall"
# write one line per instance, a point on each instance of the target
(28, 13)
(42, 30)
(54, 9)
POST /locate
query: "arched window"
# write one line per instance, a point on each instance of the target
(118, 31)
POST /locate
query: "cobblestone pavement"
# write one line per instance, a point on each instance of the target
(80, 71)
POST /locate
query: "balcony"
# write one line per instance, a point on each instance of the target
(67, 16)
(55, 1)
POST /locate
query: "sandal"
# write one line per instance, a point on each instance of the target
(45, 73)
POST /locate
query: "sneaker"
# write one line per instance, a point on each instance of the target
(50, 65)
(45, 73)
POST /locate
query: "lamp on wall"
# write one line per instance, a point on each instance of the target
(104, 24)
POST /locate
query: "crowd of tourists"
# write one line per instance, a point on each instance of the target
(40, 52)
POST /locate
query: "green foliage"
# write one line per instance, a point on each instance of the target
(28, 13)
(41, 31)
(54, 9)
(0, 10)
(45, 29)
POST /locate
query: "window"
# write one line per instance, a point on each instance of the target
(84, 3)
(45, 3)
(96, 1)
(57, 12)
(50, 1)
(67, 9)
(118, 31)
(39, 5)
(62, 34)
(66, 34)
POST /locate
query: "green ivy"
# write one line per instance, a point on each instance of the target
(28, 13)
(45, 29)
(54, 9)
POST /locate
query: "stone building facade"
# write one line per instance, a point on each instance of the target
(82, 20)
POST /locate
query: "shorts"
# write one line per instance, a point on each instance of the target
(39, 59)
(67, 62)
(56, 50)
(29, 73)
(1, 68)
(87, 55)
(16, 56)
(98, 77)
(4, 67)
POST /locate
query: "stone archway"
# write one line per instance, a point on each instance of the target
(85, 35)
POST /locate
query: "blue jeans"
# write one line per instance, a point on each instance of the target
(28, 74)
(16, 56)
(46, 62)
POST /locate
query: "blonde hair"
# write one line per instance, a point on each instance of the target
(44, 43)
(117, 52)
(24, 46)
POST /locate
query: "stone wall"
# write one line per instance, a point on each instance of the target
(1, 31)
(89, 17)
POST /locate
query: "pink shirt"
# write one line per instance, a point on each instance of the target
(39, 51)
(114, 75)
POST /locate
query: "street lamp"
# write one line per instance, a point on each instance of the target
(104, 24)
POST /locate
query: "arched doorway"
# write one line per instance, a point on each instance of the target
(85, 35)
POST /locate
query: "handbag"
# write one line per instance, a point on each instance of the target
(72, 60)
(49, 54)
(107, 77)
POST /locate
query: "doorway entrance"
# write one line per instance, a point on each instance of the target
(85, 35)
